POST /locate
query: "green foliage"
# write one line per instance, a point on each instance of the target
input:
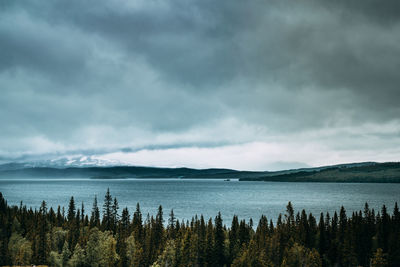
(20, 249)
(65, 254)
(297, 255)
(168, 256)
(60, 259)
(78, 258)
(58, 239)
(93, 249)
(108, 246)
(51, 238)
(55, 259)
(379, 259)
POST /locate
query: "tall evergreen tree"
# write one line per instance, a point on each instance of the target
(384, 230)
(42, 246)
(158, 233)
(71, 210)
(95, 217)
(137, 224)
(171, 225)
(82, 212)
(107, 223)
(209, 250)
(234, 245)
(122, 236)
(219, 239)
(115, 215)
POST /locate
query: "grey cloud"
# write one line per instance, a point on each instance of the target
(76, 72)
(387, 12)
(29, 43)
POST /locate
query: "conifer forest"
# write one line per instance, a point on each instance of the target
(80, 237)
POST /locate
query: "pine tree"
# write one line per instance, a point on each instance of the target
(137, 224)
(71, 237)
(42, 249)
(201, 242)
(82, 213)
(289, 216)
(219, 239)
(95, 217)
(384, 230)
(158, 232)
(171, 225)
(71, 210)
(123, 234)
(115, 217)
(107, 223)
(394, 242)
(322, 235)
(234, 245)
(209, 250)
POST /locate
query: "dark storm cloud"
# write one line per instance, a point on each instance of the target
(126, 75)
(387, 12)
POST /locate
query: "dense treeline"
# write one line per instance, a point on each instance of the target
(73, 238)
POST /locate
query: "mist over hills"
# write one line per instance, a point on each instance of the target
(92, 168)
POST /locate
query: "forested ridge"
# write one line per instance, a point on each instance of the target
(363, 172)
(77, 237)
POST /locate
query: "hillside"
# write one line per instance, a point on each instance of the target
(354, 172)
(370, 173)
(118, 172)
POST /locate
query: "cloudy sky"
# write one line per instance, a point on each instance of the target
(260, 85)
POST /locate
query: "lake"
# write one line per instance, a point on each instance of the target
(188, 197)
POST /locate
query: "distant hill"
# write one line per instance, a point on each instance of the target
(118, 172)
(353, 172)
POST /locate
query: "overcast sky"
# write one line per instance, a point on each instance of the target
(258, 85)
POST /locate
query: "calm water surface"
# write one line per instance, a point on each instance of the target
(203, 196)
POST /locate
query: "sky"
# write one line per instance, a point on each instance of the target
(249, 85)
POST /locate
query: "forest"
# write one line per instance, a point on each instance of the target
(106, 236)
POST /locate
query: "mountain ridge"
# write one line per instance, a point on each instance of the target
(350, 172)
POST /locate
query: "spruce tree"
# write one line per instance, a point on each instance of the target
(201, 241)
(122, 235)
(322, 235)
(82, 212)
(115, 215)
(71, 210)
(137, 224)
(158, 232)
(209, 250)
(234, 245)
(42, 249)
(95, 217)
(219, 241)
(171, 225)
(107, 212)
